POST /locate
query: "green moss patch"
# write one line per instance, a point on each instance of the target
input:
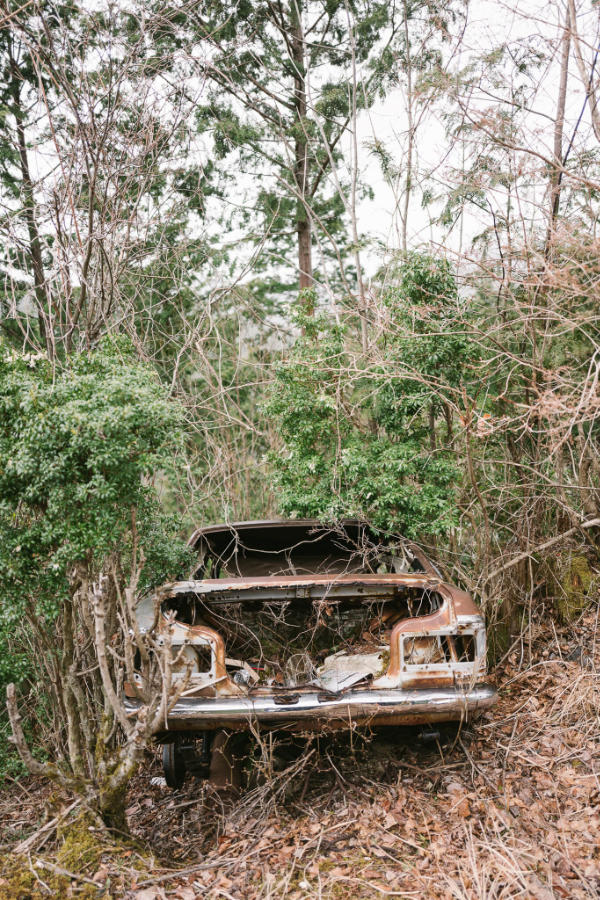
(21, 879)
(572, 584)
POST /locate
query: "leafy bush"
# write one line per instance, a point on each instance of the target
(359, 432)
(80, 449)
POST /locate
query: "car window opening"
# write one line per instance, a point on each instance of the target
(306, 551)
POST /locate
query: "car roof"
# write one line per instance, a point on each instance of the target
(270, 524)
(277, 535)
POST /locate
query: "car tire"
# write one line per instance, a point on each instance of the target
(174, 768)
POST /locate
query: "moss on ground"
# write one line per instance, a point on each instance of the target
(83, 847)
(21, 879)
(574, 584)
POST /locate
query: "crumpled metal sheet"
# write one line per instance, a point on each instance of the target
(341, 671)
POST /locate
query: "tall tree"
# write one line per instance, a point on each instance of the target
(285, 81)
(25, 89)
(93, 208)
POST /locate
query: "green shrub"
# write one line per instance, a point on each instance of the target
(359, 433)
(80, 447)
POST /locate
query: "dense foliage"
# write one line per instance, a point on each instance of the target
(81, 448)
(362, 441)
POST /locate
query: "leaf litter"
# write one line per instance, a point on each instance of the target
(510, 808)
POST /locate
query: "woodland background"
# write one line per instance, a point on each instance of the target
(305, 258)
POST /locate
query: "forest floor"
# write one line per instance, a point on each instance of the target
(510, 809)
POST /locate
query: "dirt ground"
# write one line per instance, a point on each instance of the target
(511, 808)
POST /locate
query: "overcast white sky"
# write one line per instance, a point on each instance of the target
(522, 24)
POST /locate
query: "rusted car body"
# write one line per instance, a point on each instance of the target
(302, 626)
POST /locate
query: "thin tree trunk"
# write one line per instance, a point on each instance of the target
(27, 198)
(301, 169)
(538, 324)
(588, 77)
(411, 135)
(75, 743)
(556, 177)
(362, 298)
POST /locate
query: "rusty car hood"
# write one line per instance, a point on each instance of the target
(273, 582)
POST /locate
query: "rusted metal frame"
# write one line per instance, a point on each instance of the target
(442, 617)
(217, 645)
(194, 635)
(449, 672)
(474, 629)
(218, 585)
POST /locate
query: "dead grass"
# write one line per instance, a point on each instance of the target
(512, 810)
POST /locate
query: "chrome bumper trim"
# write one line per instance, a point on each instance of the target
(377, 705)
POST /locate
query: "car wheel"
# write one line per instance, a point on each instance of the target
(451, 732)
(196, 755)
(173, 765)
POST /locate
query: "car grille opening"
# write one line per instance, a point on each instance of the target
(285, 640)
(204, 655)
(465, 647)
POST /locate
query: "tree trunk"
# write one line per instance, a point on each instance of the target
(411, 133)
(28, 201)
(301, 167)
(305, 253)
(559, 122)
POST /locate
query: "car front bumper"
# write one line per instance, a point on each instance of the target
(316, 709)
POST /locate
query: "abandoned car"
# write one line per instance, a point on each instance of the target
(303, 626)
